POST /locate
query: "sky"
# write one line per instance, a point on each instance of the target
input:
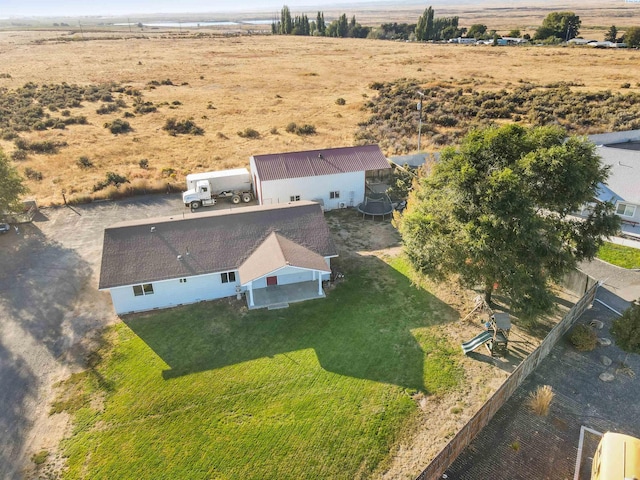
(49, 8)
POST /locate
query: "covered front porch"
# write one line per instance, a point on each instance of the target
(280, 296)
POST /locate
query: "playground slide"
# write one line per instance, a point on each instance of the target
(476, 341)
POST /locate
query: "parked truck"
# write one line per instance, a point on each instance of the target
(203, 189)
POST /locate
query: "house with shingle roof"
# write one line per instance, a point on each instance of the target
(271, 254)
(333, 177)
(620, 151)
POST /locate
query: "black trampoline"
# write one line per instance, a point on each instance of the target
(376, 205)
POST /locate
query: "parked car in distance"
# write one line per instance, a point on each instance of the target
(4, 227)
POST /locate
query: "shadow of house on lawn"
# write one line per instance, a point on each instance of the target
(365, 328)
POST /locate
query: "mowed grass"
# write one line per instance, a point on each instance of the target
(620, 255)
(323, 389)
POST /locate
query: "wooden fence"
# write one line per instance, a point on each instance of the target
(464, 437)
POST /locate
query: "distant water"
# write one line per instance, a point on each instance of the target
(173, 24)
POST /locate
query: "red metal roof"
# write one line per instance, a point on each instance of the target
(311, 163)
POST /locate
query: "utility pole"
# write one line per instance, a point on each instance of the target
(420, 118)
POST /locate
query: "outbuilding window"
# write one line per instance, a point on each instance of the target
(228, 277)
(335, 194)
(144, 289)
(626, 210)
(294, 198)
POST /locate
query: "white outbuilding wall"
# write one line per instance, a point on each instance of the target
(350, 187)
(170, 293)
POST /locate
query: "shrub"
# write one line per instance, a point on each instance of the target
(625, 85)
(341, 101)
(540, 400)
(301, 129)
(249, 133)
(274, 131)
(626, 329)
(111, 178)
(144, 163)
(168, 172)
(183, 127)
(128, 115)
(107, 108)
(84, 162)
(583, 337)
(46, 146)
(18, 155)
(118, 126)
(32, 174)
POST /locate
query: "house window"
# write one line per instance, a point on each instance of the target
(294, 198)
(144, 289)
(183, 280)
(334, 194)
(626, 210)
(228, 277)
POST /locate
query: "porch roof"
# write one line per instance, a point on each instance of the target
(277, 252)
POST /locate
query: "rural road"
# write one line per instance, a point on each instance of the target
(49, 303)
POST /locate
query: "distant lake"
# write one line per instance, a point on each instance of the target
(194, 24)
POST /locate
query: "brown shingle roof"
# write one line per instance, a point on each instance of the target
(207, 243)
(311, 163)
(277, 252)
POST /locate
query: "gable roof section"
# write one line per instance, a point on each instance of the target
(212, 242)
(313, 163)
(277, 252)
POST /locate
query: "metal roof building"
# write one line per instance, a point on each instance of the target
(334, 177)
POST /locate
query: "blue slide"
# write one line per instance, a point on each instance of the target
(476, 341)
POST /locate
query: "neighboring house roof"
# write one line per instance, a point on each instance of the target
(312, 163)
(621, 152)
(415, 160)
(149, 250)
(277, 252)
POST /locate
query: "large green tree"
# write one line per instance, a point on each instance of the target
(561, 25)
(497, 210)
(11, 186)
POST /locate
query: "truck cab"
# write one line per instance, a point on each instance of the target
(198, 196)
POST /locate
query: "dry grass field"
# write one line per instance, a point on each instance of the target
(228, 83)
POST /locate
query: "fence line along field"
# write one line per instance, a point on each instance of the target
(244, 93)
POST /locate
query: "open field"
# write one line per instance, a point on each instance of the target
(228, 84)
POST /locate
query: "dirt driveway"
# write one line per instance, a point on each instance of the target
(48, 304)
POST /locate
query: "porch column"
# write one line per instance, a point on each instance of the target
(319, 284)
(250, 290)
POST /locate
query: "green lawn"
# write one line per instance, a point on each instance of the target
(625, 257)
(322, 389)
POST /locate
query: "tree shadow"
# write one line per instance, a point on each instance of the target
(43, 282)
(18, 385)
(363, 329)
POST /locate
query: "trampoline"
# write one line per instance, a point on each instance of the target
(376, 205)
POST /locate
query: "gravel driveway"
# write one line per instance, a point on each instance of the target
(49, 304)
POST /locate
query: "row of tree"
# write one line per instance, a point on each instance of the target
(301, 25)
(430, 27)
(556, 27)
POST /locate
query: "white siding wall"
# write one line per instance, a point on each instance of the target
(288, 275)
(170, 293)
(314, 188)
(636, 215)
